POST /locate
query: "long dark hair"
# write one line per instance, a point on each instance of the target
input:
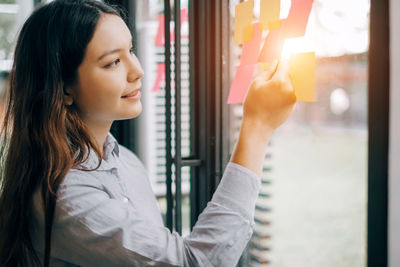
(42, 137)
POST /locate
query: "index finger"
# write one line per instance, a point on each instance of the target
(267, 72)
(282, 71)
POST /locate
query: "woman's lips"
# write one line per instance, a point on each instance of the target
(133, 94)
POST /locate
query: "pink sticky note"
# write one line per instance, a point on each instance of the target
(272, 48)
(160, 76)
(184, 15)
(159, 41)
(184, 18)
(296, 23)
(241, 83)
(160, 37)
(250, 50)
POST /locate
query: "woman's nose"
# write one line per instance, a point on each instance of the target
(135, 69)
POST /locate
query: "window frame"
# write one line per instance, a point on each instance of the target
(378, 131)
(209, 84)
(209, 68)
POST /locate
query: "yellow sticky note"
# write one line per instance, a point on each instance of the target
(248, 33)
(243, 22)
(274, 25)
(269, 12)
(302, 74)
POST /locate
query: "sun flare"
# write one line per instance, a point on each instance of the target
(295, 46)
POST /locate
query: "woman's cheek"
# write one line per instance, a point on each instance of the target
(113, 85)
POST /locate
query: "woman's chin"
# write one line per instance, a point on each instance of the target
(134, 112)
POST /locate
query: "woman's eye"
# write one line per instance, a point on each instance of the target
(131, 50)
(113, 64)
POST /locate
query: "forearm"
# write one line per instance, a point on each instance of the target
(251, 146)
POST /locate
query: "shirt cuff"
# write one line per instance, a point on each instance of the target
(238, 190)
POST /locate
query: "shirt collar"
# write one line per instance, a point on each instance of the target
(110, 146)
(110, 151)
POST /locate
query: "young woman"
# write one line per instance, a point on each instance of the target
(70, 195)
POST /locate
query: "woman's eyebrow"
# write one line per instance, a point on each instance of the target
(109, 53)
(112, 51)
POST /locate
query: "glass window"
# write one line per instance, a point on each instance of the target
(12, 14)
(8, 30)
(152, 122)
(312, 207)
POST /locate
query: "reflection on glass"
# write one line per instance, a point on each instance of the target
(8, 30)
(7, 35)
(12, 15)
(312, 207)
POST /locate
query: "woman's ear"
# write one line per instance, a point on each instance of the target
(68, 96)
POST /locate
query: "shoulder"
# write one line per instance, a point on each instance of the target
(77, 179)
(128, 156)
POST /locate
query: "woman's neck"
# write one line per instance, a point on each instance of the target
(98, 131)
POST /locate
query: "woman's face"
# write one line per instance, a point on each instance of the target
(109, 76)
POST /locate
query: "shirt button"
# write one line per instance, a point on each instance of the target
(125, 200)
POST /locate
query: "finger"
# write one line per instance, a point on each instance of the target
(267, 70)
(282, 76)
(282, 71)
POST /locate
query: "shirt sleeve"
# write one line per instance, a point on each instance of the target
(92, 229)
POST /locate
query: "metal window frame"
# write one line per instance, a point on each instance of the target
(209, 82)
(378, 130)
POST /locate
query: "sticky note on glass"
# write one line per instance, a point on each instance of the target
(269, 14)
(296, 23)
(160, 76)
(159, 41)
(274, 25)
(272, 48)
(302, 75)
(241, 83)
(250, 50)
(243, 22)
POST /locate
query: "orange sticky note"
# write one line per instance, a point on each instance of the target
(250, 50)
(269, 12)
(243, 18)
(272, 47)
(241, 83)
(302, 75)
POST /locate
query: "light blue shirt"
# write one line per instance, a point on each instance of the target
(110, 217)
